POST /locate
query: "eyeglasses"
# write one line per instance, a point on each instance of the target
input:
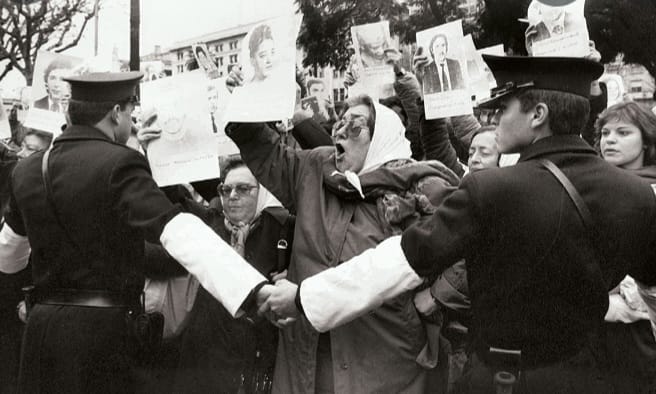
(242, 189)
(353, 124)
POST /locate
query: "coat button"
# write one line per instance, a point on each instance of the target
(344, 366)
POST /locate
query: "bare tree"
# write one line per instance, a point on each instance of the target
(27, 26)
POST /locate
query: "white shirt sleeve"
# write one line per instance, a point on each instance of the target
(218, 268)
(340, 294)
(14, 251)
(648, 295)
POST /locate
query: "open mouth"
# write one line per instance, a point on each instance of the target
(339, 149)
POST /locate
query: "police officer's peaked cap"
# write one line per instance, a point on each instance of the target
(98, 87)
(562, 74)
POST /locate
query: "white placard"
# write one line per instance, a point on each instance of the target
(268, 62)
(205, 61)
(614, 88)
(445, 80)
(370, 42)
(558, 31)
(50, 93)
(186, 150)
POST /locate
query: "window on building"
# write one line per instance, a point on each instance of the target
(220, 73)
(321, 73)
(220, 61)
(220, 47)
(636, 89)
(342, 94)
(233, 59)
(335, 95)
(233, 44)
(180, 55)
(335, 73)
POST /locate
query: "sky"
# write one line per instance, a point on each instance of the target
(163, 22)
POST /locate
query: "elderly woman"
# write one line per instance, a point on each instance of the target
(627, 139)
(348, 197)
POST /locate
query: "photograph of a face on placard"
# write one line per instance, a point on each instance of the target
(205, 61)
(445, 81)
(268, 63)
(50, 93)
(557, 30)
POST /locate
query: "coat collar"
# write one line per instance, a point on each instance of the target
(79, 133)
(556, 144)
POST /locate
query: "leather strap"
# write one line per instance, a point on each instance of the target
(574, 195)
(87, 298)
(45, 175)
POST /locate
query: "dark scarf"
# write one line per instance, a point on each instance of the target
(396, 189)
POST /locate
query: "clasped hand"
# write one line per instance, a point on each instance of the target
(277, 303)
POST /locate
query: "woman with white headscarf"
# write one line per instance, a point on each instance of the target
(347, 198)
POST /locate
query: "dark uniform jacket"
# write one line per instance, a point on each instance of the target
(536, 278)
(108, 204)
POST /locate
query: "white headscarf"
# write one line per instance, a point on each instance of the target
(388, 143)
(265, 200)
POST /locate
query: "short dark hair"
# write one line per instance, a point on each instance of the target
(636, 115)
(568, 112)
(446, 42)
(59, 63)
(89, 113)
(259, 34)
(362, 99)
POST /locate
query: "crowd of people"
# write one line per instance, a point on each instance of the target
(368, 250)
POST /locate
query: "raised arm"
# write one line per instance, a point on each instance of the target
(274, 165)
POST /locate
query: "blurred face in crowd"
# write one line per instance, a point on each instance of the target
(239, 195)
(352, 138)
(513, 127)
(58, 89)
(263, 61)
(622, 145)
(31, 144)
(439, 49)
(483, 152)
(317, 90)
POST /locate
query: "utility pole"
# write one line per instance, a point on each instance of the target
(96, 8)
(135, 21)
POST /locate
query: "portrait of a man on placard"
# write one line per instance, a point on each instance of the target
(58, 91)
(443, 74)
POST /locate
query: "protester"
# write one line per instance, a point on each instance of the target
(327, 189)
(218, 353)
(483, 151)
(626, 136)
(487, 220)
(103, 190)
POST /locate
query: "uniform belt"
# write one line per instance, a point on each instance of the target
(87, 298)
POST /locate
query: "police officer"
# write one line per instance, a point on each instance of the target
(539, 267)
(84, 209)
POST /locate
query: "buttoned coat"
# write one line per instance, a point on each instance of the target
(538, 280)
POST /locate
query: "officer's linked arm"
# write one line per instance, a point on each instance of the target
(648, 294)
(216, 265)
(341, 294)
(14, 250)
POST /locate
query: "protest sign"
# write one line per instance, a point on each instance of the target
(319, 89)
(186, 150)
(614, 88)
(268, 64)
(557, 30)
(496, 50)
(205, 61)
(445, 80)
(50, 93)
(370, 42)
(217, 97)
